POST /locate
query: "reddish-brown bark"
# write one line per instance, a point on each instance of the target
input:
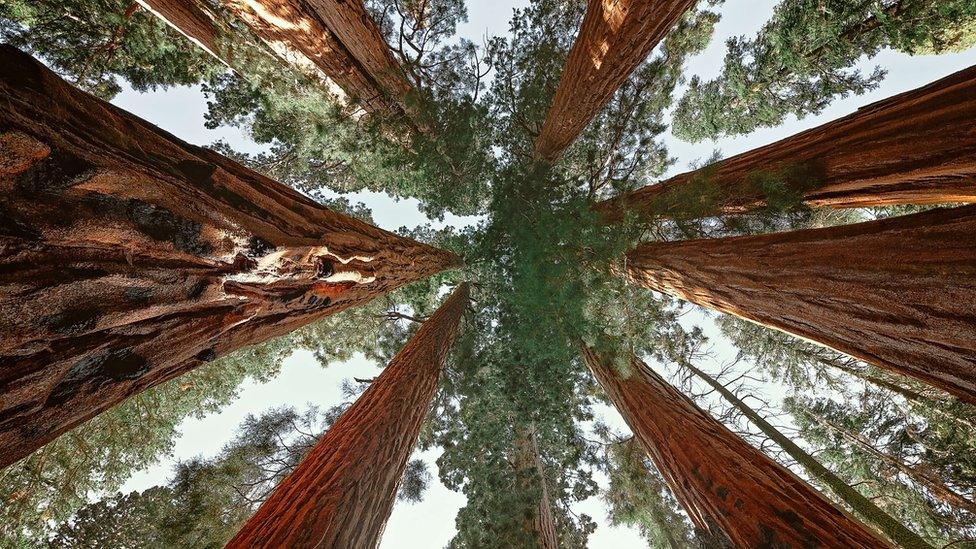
(190, 20)
(616, 36)
(897, 293)
(918, 147)
(720, 480)
(128, 257)
(302, 32)
(342, 493)
(295, 31)
(541, 524)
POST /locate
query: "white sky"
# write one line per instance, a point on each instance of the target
(430, 524)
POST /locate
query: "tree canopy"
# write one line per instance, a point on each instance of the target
(518, 418)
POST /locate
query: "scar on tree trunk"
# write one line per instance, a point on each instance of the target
(343, 491)
(897, 293)
(129, 257)
(721, 480)
(917, 147)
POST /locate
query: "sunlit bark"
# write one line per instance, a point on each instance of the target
(343, 491)
(129, 257)
(616, 36)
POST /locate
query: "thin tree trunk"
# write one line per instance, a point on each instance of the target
(918, 147)
(862, 506)
(911, 396)
(931, 482)
(897, 293)
(616, 36)
(541, 524)
(129, 257)
(720, 479)
(343, 491)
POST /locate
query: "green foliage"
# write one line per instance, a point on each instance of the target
(94, 42)
(803, 59)
(638, 496)
(516, 400)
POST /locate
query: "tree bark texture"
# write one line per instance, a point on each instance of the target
(897, 532)
(616, 36)
(918, 147)
(897, 293)
(128, 257)
(190, 20)
(541, 524)
(297, 33)
(342, 493)
(302, 32)
(720, 480)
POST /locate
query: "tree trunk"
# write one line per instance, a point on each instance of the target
(918, 147)
(862, 506)
(720, 479)
(541, 524)
(190, 20)
(936, 487)
(297, 33)
(331, 35)
(342, 492)
(128, 257)
(616, 36)
(897, 293)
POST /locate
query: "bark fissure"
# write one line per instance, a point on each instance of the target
(615, 37)
(864, 507)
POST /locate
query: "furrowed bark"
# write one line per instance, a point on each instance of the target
(541, 524)
(616, 36)
(897, 293)
(295, 32)
(918, 147)
(342, 493)
(300, 32)
(356, 30)
(862, 506)
(720, 480)
(129, 257)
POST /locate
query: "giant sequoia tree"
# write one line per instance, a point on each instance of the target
(191, 255)
(692, 451)
(893, 292)
(342, 492)
(128, 258)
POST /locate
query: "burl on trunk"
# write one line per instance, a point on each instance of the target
(721, 480)
(898, 293)
(342, 493)
(616, 36)
(918, 147)
(128, 257)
